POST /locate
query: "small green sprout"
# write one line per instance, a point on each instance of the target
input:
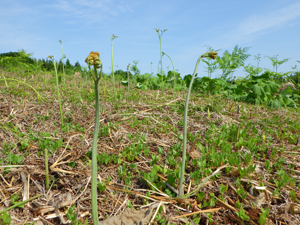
(263, 216)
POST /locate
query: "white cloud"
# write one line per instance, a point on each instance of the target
(255, 25)
(276, 19)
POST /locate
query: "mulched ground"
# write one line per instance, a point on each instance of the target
(22, 116)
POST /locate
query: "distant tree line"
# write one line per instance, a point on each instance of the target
(227, 63)
(26, 62)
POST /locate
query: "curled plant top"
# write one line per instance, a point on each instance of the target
(113, 37)
(211, 54)
(93, 60)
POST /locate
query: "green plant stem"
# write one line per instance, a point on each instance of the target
(5, 79)
(104, 88)
(188, 195)
(58, 97)
(94, 60)
(185, 128)
(18, 204)
(94, 150)
(112, 65)
(46, 169)
(63, 60)
(161, 65)
(160, 33)
(45, 82)
(128, 81)
(298, 76)
(173, 70)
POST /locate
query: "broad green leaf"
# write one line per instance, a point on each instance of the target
(287, 91)
(171, 179)
(257, 90)
(273, 86)
(5, 219)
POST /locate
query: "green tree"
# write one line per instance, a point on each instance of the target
(77, 67)
(68, 65)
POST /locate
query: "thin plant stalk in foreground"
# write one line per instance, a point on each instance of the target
(94, 60)
(57, 89)
(10, 79)
(160, 33)
(63, 60)
(112, 63)
(212, 55)
(298, 76)
(46, 169)
(173, 70)
(19, 203)
(128, 80)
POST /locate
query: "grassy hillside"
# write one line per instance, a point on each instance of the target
(251, 150)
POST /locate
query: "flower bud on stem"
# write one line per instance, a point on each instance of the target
(212, 55)
(94, 60)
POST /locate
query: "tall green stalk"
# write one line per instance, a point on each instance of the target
(298, 76)
(173, 70)
(160, 33)
(57, 89)
(94, 60)
(63, 60)
(46, 169)
(128, 81)
(112, 63)
(212, 55)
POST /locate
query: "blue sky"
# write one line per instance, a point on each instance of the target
(269, 27)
